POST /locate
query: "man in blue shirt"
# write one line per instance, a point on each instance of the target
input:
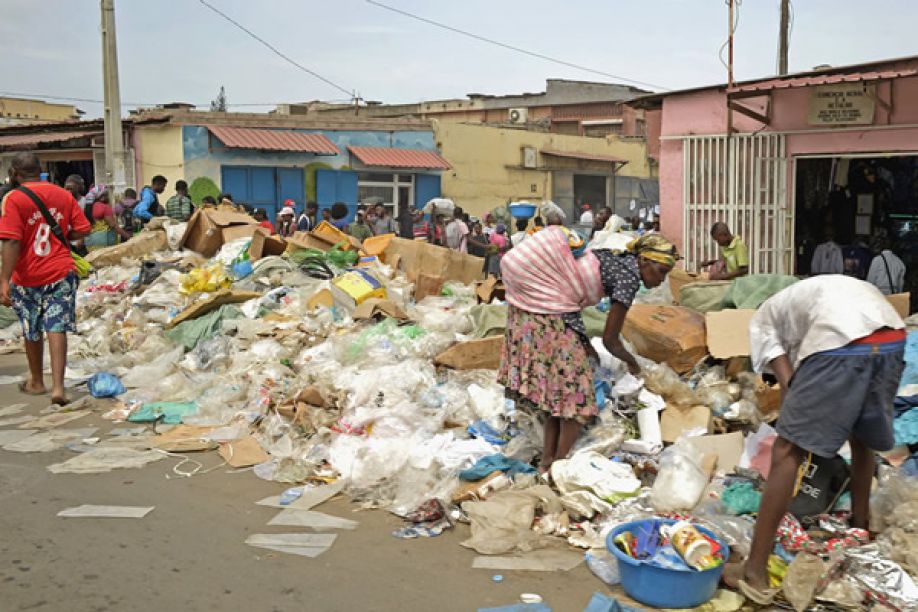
(148, 206)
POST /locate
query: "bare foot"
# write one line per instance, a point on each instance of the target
(758, 581)
(733, 573)
(60, 400)
(30, 387)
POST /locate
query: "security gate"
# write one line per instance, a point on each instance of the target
(742, 181)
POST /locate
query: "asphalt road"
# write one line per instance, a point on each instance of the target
(188, 554)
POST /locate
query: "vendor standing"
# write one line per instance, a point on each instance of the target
(836, 346)
(546, 360)
(734, 255)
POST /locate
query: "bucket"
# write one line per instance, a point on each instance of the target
(660, 587)
(522, 210)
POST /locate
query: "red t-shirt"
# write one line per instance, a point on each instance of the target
(100, 210)
(267, 225)
(43, 259)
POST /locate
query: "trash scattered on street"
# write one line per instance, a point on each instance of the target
(90, 511)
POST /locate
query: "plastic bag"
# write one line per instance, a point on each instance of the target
(105, 384)
(503, 523)
(209, 279)
(591, 471)
(681, 480)
(604, 566)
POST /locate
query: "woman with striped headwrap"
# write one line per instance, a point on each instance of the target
(546, 360)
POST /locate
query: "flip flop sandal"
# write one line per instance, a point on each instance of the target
(764, 597)
(27, 391)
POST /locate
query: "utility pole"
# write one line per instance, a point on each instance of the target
(114, 137)
(730, 26)
(783, 37)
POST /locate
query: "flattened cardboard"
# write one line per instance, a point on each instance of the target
(428, 285)
(473, 354)
(901, 302)
(140, 245)
(243, 453)
(265, 245)
(374, 307)
(216, 300)
(184, 439)
(209, 228)
(305, 240)
(675, 420)
(727, 447)
(768, 398)
(488, 289)
(728, 333)
(312, 396)
(323, 297)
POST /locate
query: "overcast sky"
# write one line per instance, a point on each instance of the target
(180, 50)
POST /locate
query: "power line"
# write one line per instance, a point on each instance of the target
(275, 49)
(40, 97)
(508, 46)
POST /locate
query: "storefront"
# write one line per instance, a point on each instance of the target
(790, 162)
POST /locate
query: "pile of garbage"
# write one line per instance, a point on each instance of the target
(369, 370)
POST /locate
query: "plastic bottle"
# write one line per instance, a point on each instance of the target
(604, 565)
(290, 495)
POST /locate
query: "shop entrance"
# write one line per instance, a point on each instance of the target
(590, 189)
(859, 204)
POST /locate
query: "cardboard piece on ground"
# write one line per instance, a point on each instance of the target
(264, 244)
(11, 436)
(428, 285)
(669, 334)
(304, 544)
(309, 518)
(485, 290)
(213, 302)
(737, 365)
(768, 398)
(309, 499)
(209, 228)
(468, 491)
(54, 419)
(140, 245)
(473, 354)
(305, 240)
(678, 278)
(323, 297)
(375, 306)
(243, 453)
(417, 258)
(311, 396)
(89, 511)
(727, 447)
(675, 420)
(728, 333)
(901, 302)
(185, 439)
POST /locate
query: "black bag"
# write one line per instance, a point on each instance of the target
(824, 481)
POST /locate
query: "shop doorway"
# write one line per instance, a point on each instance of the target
(590, 189)
(860, 204)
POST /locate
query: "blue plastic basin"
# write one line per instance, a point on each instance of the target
(523, 210)
(665, 588)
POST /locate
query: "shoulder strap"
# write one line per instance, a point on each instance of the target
(888, 275)
(49, 219)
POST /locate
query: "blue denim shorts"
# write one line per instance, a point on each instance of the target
(46, 308)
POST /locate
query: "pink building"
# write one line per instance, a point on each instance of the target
(791, 162)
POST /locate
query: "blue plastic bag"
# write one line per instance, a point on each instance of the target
(105, 384)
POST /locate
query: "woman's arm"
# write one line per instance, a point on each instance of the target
(611, 337)
(113, 223)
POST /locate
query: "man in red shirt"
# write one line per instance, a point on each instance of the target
(38, 278)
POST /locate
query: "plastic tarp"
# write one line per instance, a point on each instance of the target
(189, 333)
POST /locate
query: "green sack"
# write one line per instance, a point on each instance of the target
(752, 291)
(83, 267)
(706, 296)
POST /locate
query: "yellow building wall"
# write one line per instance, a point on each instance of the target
(158, 150)
(486, 162)
(19, 109)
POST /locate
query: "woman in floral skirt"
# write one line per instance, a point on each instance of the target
(546, 363)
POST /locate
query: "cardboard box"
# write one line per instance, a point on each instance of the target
(428, 284)
(669, 334)
(675, 420)
(901, 302)
(728, 448)
(265, 245)
(355, 287)
(728, 333)
(768, 398)
(473, 354)
(375, 307)
(305, 240)
(416, 258)
(209, 229)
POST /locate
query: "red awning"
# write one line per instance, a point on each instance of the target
(25, 141)
(824, 79)
(399, 158)
(584, 156)
(273, 140)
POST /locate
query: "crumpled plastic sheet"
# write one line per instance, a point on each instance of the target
(884, 579)
(681, 480)
(106, 459)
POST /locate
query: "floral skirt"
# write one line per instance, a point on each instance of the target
(545, 364)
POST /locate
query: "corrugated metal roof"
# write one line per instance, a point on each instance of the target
(400, 158)
(273, 140)
(584, 156)
(27, 140)
(824, 79)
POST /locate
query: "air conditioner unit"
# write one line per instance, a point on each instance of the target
(518, 115)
